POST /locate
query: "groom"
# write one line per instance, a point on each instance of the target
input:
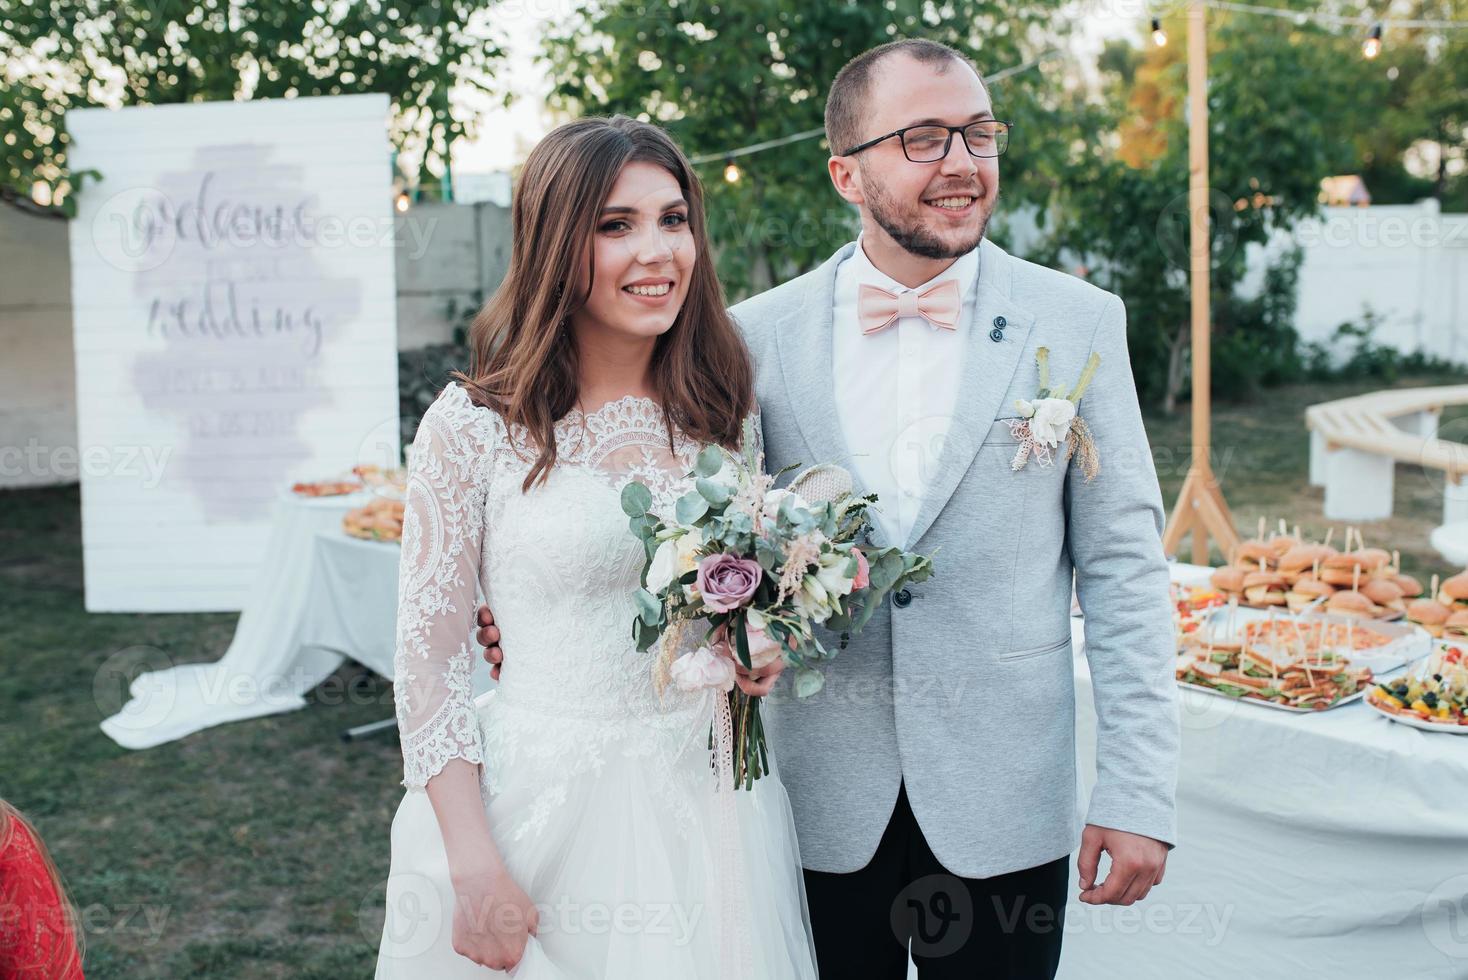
(933, 778)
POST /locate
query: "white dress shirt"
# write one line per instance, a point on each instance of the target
(896, 389)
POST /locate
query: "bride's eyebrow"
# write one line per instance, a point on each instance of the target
(624, 209)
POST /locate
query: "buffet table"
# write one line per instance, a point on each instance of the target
(320, 597)
(1332, 844)
(1326, 844)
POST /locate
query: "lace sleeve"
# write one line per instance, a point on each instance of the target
(438, 578)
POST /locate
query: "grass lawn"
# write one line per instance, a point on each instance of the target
(259, 849)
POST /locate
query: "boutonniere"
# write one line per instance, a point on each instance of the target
(1051, 418)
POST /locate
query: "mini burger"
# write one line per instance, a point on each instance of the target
(1348, 602)
(1302, 558)
(1456, 627)
(1229, 578)
(1411, 588)
(1384, 592)
(1305, 591)
(1250, 553)
(1455, 591)
(1429, 614)
(1265, 589)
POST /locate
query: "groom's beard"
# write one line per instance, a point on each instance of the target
(906, 228)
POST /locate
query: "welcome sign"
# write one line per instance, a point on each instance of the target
(235, 331)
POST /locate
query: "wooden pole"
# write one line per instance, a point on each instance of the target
(1200, 505)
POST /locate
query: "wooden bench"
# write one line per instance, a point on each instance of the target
(1355, 444)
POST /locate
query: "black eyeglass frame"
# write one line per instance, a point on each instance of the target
(947, 143)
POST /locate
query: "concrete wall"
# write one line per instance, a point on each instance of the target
(450, 257)
(37, 375)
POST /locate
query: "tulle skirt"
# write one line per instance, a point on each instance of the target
(629, 881)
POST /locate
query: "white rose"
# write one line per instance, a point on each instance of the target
(811, 601)
(664, 567)
(688, 546)
(775, 498)
(832, 575)
(1051, 421)
(703, 668)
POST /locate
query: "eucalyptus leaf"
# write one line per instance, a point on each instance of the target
(714, 492)
(691, 506)
(636, 499)
(710, 461)
(808, 681)
(649, 609)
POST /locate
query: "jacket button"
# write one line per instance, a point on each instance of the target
(902, 599)
(996, 335)
(1000, 322)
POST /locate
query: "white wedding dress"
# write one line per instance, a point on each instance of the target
(600, 795)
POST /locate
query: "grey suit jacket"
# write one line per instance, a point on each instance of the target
(966, 694)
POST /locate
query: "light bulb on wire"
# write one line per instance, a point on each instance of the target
(1159, 37)
(1371, 47)
(731, 171)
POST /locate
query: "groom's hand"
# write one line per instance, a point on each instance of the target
(488, 636)
(1137, 863)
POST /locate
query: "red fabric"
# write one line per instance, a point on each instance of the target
(36, 938)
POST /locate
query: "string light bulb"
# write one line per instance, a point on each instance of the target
(731, 171)
(402, 202)
(1371, 47)
(1159, 37)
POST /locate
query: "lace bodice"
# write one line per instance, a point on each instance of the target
(558, 566)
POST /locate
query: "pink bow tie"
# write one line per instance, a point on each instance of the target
(876, 308)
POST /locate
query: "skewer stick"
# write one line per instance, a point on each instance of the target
(1283, 529)
(1329, 533)
(1261, 528)
(1396, 562)
(1432, 593)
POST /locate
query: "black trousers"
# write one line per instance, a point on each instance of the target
(1006, 928)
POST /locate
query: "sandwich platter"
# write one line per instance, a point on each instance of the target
(1301, 663)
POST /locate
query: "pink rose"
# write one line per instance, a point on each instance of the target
(863, 571)
(726, 582)
(702, 668)
(763, 649)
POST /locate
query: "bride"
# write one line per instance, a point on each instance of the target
(568, 824)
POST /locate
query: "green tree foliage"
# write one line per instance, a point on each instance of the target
(1284, 100)
(57, 55)
(720, 75)
(1425, 75)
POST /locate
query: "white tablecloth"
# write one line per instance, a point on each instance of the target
(1322, 845)
(320, 596)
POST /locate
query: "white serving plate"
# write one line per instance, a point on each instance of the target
(1270, 704)
(1408, 640)
(1412, 721)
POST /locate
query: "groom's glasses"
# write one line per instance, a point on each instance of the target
(928, 143)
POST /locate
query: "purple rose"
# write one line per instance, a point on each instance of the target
(726, 582)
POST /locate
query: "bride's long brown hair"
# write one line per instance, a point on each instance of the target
(524, 356)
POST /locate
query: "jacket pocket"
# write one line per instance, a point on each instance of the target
(1030, 653)
(1000, 434)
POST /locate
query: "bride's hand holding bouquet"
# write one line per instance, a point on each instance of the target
(763, 567)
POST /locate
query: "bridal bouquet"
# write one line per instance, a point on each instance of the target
(764, 567)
